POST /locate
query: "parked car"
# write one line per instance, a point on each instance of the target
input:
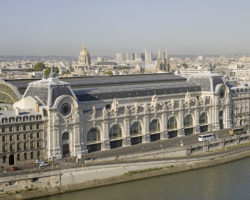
(43, 164)
(14, 169)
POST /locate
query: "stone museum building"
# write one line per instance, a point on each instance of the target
(73, 116)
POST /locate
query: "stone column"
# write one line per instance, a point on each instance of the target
(145, 136)
(181, 124)
(228, 119)
(105, 142)
(215, 116)
(164, 134)
(78, 149)
(196, 121)
(126, 137)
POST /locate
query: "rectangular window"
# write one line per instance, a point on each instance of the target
(18, 147)
(37, 126)
(38, 144)
(31, 155)
(25, 156)
(11, 147)
(31, 145)
(4, 148)
(18, 157)
(37, 135)
(24, 136)
(10, 129)
(24, 128)
(17, 128)
(4, 159)
(38, 154)
(31, 135)
(3, 138)
(3, 130)
(17, 137)
(25, 146)
(31, 127)
(10, 138)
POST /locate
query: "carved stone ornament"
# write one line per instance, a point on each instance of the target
(93, 113)
(136, 107)
(114, 105)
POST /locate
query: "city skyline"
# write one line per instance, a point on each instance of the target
(43, 28)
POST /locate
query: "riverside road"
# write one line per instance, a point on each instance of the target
(139, 148)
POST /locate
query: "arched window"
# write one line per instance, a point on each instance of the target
(135, 129)
(115, 132)
(188, 121)
(65, 144)
(203, 118)
(65, 136)
(93, 136)
(172, 123)
(154, 126)
(221, 114)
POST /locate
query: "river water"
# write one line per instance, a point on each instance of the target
(225, 182)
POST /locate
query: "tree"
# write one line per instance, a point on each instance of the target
(39, 66)
(108, 73)
(185, 65)
(48, 70)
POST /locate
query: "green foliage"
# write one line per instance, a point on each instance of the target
(185, 65)
(39, 66)
(108, 73)
(48, 70)
(30, 70)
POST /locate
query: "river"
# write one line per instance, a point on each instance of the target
(225, 182)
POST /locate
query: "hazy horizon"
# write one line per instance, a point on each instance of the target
(59, 27)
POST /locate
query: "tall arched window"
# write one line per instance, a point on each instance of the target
(135, 129)
(65, 136)
(188, 121)
(203, 118)
(115, 132)
(154, 126)
(65, 144)
(172, 123)
(93, 136)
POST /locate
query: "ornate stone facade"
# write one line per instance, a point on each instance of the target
(103, 113)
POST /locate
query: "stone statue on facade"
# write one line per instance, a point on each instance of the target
(104, 113)
(154, 102)
(126, 110)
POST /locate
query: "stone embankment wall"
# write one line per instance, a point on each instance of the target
(49, 183)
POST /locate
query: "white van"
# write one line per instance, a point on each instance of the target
(206, 137)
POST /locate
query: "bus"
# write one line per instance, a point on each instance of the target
(206, 137)
(236, 131)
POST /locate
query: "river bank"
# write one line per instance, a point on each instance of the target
(101, 175)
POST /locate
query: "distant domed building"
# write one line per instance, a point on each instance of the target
(84, 57)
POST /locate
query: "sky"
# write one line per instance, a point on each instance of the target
(59, 27)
